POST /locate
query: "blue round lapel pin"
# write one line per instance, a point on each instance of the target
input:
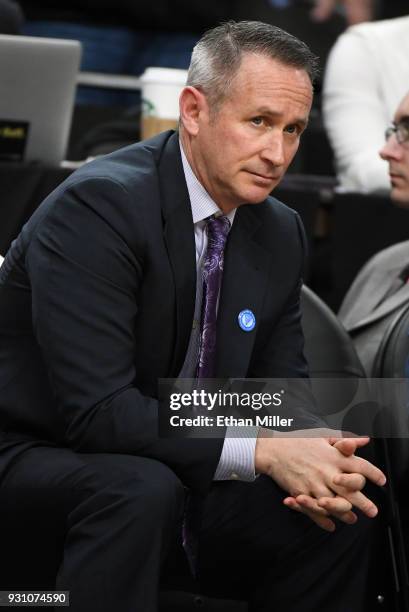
(247, 320)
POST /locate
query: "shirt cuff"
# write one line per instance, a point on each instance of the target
(237, 458)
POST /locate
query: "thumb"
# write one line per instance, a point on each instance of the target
(348, 446)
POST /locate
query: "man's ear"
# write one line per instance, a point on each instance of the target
(192, 106)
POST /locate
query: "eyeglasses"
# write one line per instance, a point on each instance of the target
(401, 131)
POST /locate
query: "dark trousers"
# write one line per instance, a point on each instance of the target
(254, 547)
(107, 522)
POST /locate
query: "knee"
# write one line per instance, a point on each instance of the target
(163, 492)
(141, 487)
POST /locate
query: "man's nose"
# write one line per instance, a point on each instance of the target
(391, 149)
(273, 150)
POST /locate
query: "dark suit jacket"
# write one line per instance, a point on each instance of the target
(375, 299)
(96, 303)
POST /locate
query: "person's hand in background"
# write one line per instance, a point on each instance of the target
(355, 11)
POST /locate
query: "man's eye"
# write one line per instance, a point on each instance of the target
(292, 129)
(257, 120)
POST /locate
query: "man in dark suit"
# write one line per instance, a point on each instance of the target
(99, 299)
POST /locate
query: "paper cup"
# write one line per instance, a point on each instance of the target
(161, 88)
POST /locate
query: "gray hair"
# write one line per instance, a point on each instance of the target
(217, 56)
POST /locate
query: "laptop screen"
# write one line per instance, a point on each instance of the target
(37, 88)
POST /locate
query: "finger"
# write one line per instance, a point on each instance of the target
(318, 487)
(338, 504)
(362, 466)
(339, 508)
(353, 482)
(348, 446)
(318, 490)
(305, 504)
(321, 520)
(359, 501)
(348, 435)
(322, 9)
(290, 502)
(309, 503)
(357, 12)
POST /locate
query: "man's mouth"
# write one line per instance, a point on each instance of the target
(264, 177)
(396, 177)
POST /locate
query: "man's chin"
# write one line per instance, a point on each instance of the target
(400, 197)
(258, 193)
(257, 198)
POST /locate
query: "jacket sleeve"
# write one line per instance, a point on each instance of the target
(86, 277)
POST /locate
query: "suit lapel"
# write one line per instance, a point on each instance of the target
(392, 303)
(366, 300)
(244, 277)
(377, 286)
(180, 244)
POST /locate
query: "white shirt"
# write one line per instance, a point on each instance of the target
(367, 75)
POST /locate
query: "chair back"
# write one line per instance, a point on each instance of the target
(392, 361)
(328, 347)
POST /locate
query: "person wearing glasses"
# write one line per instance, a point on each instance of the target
(396, 153)
(381, 287)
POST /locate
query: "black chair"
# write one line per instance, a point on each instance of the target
(328, 347)
(331, 354)
(392, 358)
(392, 362)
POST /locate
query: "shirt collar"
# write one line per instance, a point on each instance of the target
(202, 204)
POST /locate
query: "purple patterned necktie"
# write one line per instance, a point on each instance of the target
(217, 230)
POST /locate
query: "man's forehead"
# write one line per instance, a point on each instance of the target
(260, 70)
(251, 61)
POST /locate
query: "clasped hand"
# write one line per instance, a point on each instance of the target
(322, 475)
